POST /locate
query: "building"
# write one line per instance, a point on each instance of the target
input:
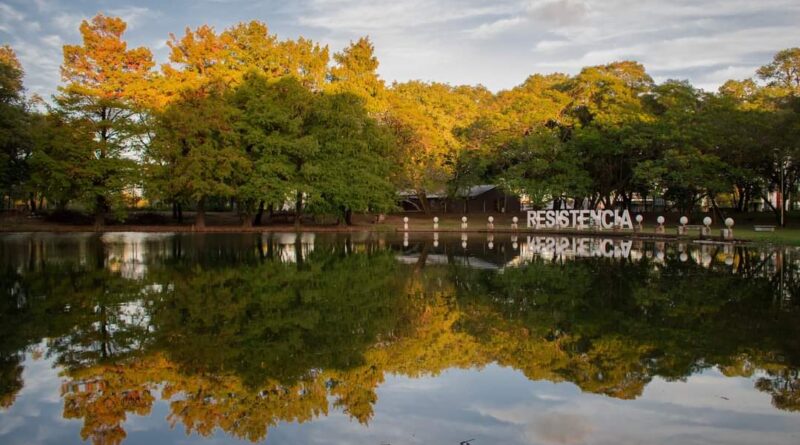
(477, 199)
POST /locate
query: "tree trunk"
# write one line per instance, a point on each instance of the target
(200, 215)
(174, 210)
(259, 213)
(100, 212)
(747, 198)
(247, 220)
(348, 217)
(423, 201)
(180, 213)
(717, 211)
(32, 203)
(740, 191)
(775, 209)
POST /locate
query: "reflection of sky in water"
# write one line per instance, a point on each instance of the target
(493, 405)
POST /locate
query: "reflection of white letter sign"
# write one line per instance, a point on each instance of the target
(579, 219)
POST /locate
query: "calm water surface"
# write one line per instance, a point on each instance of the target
(380, 339)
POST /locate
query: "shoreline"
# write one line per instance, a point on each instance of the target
(644, 236)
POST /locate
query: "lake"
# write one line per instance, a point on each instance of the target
(370, 338)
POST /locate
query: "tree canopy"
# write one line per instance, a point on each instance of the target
(243, 120)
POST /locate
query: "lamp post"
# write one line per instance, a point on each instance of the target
(705, 231)
(727, 234)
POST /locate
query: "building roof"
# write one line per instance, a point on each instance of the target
(476, 190)
(471, 192)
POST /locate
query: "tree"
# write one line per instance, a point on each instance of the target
(101, 76)
(424, 118)
(204, 57)
(607, 105)
(14, 127)
(354, 158)
(544, 168)
(62, 159)
(273, 134)
(356, 72)
(784, 70)
(196, 149)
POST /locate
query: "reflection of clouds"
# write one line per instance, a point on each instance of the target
(36, 416)
(495, 405)
(559, 428)
(677, 412)
(540, 426)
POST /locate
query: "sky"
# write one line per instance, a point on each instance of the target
(494, 43)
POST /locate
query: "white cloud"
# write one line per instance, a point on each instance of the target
(487, 30)
(551, 45)
(68, 22)
(559, 429)
(712, 80)
(132, 15)
(559, 12)
(10, 14)
(358, 16)
(53, 40)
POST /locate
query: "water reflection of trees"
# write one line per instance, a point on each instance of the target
(237, 338)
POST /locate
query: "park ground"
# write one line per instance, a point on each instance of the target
(226, 222)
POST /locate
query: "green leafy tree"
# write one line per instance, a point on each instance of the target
(15, 144)
(544, 168)
(354, 158)
(274, 136)
(62, 158)
(196, 150)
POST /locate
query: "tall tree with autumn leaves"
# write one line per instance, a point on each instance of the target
(100, 78)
